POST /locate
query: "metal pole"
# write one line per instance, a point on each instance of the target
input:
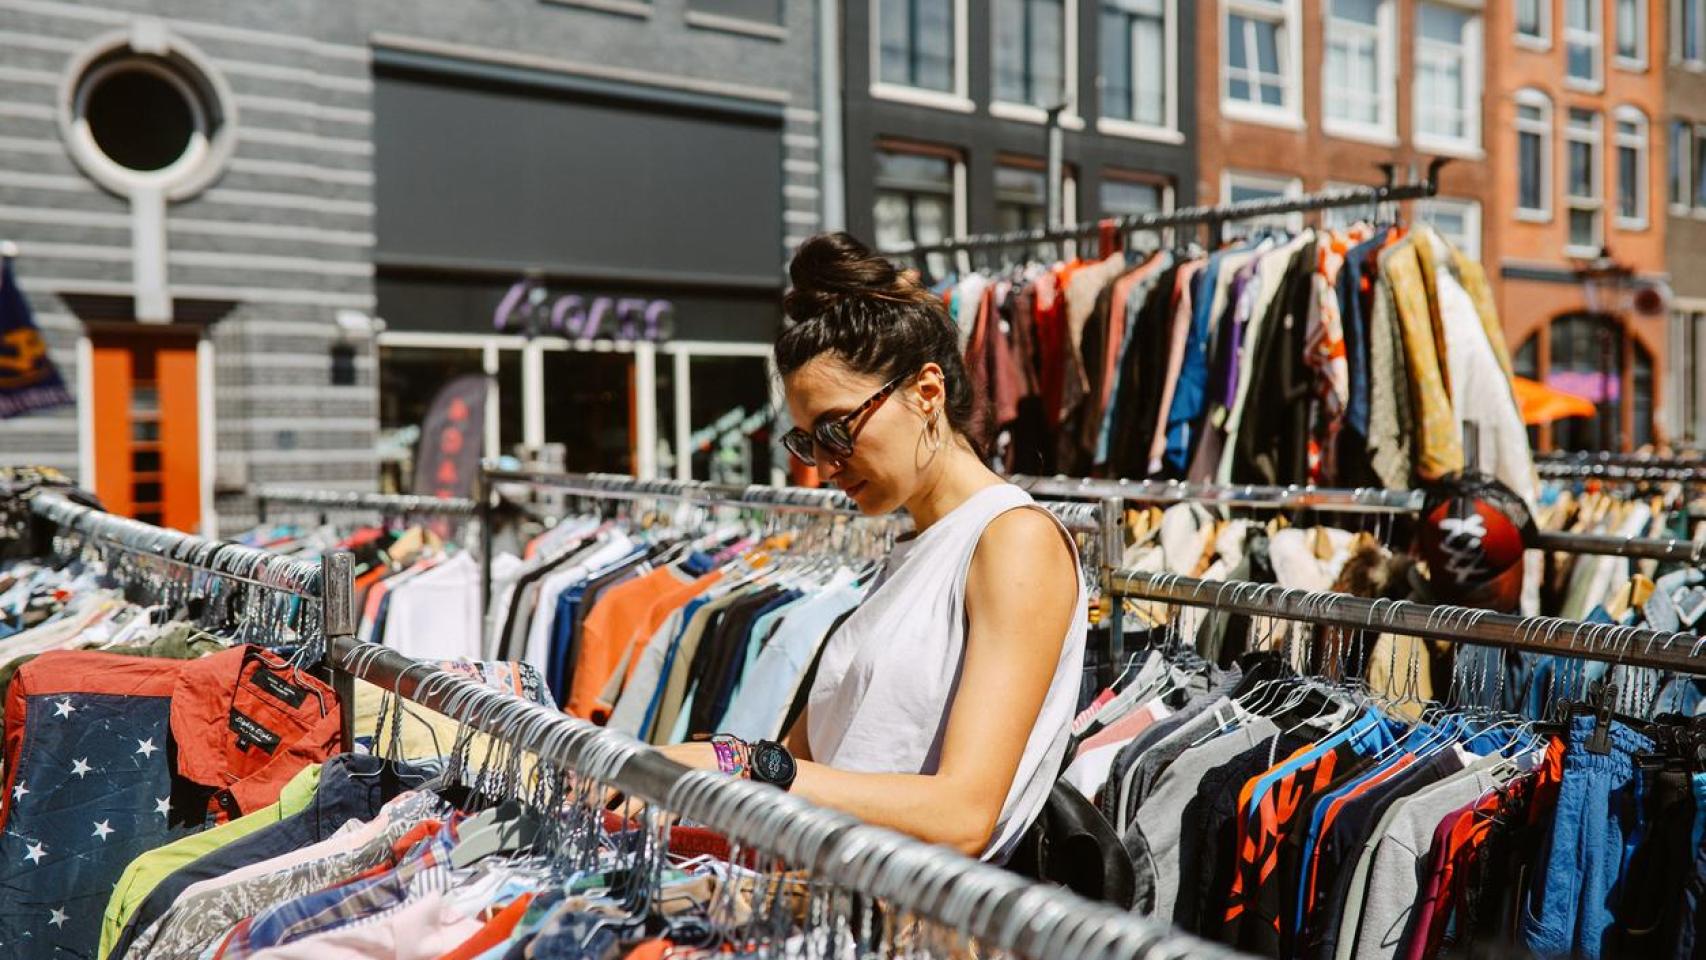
(1113, 556)
(1633, 646)
(1056, 165)
(337, 620)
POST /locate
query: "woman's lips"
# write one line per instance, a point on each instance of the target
(853, 491)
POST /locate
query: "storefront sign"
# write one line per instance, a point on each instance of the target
(451, 439)
(528, 308)
(29, 382)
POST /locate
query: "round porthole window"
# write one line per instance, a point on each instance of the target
(147, 113)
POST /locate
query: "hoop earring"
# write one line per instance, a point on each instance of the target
(932, 432)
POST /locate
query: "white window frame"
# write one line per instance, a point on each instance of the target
(1474, 81)
(1529, 96)
(1637, 63)
(1697, 62)
(1169, 132)
(1641, 141)
(1694, 174)
(1287, 186)
(1471, 210)
(1385, 130)
(1594, 37)
(1543, 41)
(1596, 203)
(959, 100)
(1684, 157)
(959, 206)
(1070, 118)
(1290, 115)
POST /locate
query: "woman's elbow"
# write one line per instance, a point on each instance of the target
(969, 831)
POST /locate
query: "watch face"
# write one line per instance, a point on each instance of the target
(772, 764)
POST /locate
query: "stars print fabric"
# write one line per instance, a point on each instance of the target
(108, 757)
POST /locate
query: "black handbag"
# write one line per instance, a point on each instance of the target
(1073, 845)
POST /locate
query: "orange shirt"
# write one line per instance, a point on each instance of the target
(624, 612)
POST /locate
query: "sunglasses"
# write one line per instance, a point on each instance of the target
(835, 436)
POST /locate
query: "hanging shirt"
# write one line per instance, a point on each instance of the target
(435, 615)
(90, 743)
(758, 711)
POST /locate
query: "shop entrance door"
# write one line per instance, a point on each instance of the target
(147, 457)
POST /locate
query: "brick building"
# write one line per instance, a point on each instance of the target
(1304, 95)
(1684, 130)
(330, 201)
(1578, 101)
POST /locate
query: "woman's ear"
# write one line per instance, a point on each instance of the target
(931, 389)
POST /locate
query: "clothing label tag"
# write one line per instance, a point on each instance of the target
(251, 734)
(278, 688)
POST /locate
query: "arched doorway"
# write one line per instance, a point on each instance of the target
(1594, 356)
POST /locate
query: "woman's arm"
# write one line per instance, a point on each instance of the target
(1020, 597)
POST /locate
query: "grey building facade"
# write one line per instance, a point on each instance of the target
(946, 103)
(326, 205)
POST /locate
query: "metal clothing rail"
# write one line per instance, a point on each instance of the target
(1343, 500)
(1212, 216)
(999, 909)
(329, 582)
(1631, 471)
(1608, 458)
(1631, 646)
(390, 504)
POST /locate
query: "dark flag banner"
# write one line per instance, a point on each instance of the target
(28, 379)
(451, 439)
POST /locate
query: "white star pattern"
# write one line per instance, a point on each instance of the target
(37, 851)
(18, 791)
(81, 767)
(163, 806)
(59, 917)
(102, 828)
(146, 747)
(63, 709)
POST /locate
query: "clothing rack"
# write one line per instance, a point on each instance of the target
(1000, 909)
(1629, 646)
(329, 582)
(1344, 500)
(1609, 458)
(388, 504)
(1214, 217)
(1632, 469)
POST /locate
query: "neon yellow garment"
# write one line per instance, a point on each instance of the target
(146, 871)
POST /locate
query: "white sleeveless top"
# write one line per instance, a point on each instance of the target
(888, 676)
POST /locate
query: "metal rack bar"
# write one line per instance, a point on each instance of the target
(1608, 458)
(1343, 500)
(1001, 909)
(1632, 646)
(393, 504)
(1213, 216)
(1555, 470)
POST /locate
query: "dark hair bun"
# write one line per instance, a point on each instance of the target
(832, 267)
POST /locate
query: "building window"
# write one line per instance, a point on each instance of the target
(1631, 168)
(1129, 196)
(1340, 218)
(1584, 39)
(1260, 79)
(1021, 199)
(1237, 187)
(1448, 76)
(1139, 61)
(1458, 221)
(1685, 379)
(1586, 357)
(915, 202)
(1681, 152)
(918, 44)
(1631, 33)
(1030, 51)
(1688, 31)
(1359, 67)
(1699, 170)
(1534, 22)
(1581, 188)
(1533, 155)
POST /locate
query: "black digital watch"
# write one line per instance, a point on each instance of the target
(770, 762)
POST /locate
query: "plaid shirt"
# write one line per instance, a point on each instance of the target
(422, 866)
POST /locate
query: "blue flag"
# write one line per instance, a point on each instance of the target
(28, 379)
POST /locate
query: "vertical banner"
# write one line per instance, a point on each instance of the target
(452, 438)
(29, 382)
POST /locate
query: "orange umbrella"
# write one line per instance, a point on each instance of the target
(1542, 404)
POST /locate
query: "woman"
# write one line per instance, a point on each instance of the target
(942, 706)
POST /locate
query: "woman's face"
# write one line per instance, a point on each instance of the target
(890, 448)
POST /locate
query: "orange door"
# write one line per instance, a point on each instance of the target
(147, 454)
